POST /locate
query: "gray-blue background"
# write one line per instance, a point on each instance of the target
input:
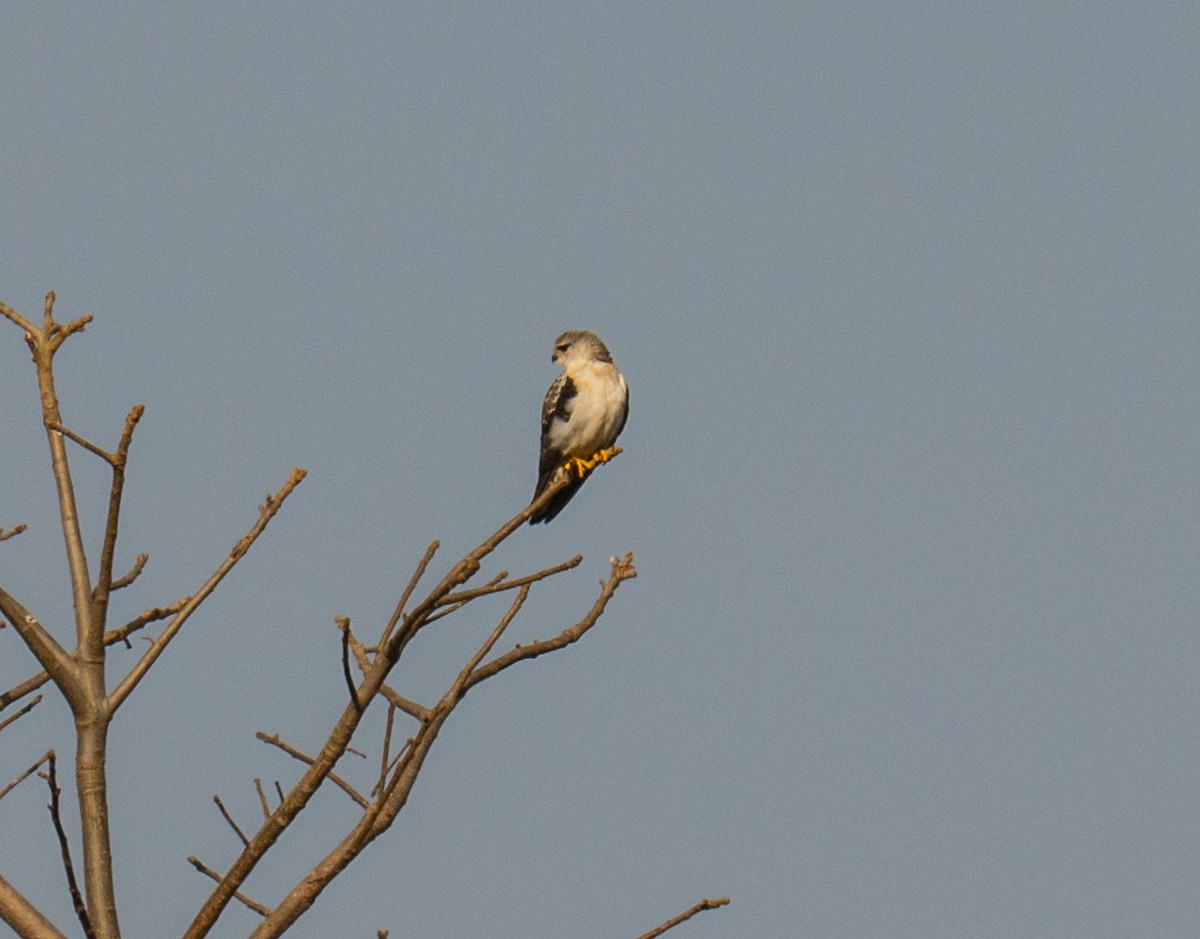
(906, 295)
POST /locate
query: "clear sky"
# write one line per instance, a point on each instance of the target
(906, 295)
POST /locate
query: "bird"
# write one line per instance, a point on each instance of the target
(582, 416)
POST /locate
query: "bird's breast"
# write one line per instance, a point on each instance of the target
(595, 413)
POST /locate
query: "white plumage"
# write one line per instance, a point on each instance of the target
(584, 412)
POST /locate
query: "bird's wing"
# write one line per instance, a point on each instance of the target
(556, 405)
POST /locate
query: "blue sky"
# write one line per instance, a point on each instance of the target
(906, 296)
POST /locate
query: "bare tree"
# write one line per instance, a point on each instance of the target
(78, 675)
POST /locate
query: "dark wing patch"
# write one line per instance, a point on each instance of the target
(556, 405)
(557, 401)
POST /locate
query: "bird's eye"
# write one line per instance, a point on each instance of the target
(561, 347)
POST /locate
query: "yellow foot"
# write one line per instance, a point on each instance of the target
(582, 467)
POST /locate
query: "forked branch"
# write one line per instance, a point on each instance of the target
(401, 628)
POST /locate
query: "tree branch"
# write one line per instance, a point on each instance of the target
(685, 915)
(266, 513)
(276, 741)
(25, 775)
(464, 596)
(104, 581)
(126, 579)
(23, 917)
(229, 818)
(399, 631)
(622, 570)
(21, 713)
(11, 532)
(64, 848)
(343, 624)
(50, 655)
(241, 897)
(82, 441)
(111, 637)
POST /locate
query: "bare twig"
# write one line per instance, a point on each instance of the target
(111, 637)
(104, 581)
(50, 655)
(10, 314)
(5, 534)
(25, 775)
(82, 441)
(265, 514)
(28, 686)
(126, 579)
(241, 897)
(450, 609)
(229, 818)
(152, 615)
(400, 630)
(417, 574)
(64, 848)
(21, 713)
(23, 917)
(262, 797)
(463, 596)
(58, 332)
(398, 700)
(276, 741)
(622, 569)
(685, 915)
(385, 753)
(343, 624)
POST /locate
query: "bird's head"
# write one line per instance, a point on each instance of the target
(578, 346)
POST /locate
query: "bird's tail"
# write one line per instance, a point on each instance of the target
(556, 504)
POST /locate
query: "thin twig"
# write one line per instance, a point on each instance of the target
(58, 332)
(685, 915)
(64, 847)
(25, 775)
(82, 441)
(463, 596)
(343, 624)
(112, 522)
(111, 637)
(127, 579)
(393, 697)
(411, 708)
(21, 713)
(245, 900)
(10, 314)
(400, 630)
(265, 514)
(455, 607)
(385, 753)
(145, 618)
(229, 818)
(262, 797)
(11, 532)
(28, 686)
(276, 741)
(417, 574)
(622, 569)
